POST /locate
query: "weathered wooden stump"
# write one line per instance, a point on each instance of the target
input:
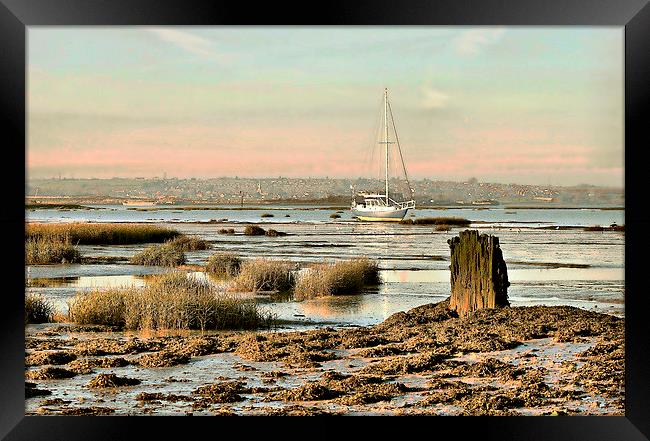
(479, 277)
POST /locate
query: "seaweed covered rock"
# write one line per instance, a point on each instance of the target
(479, 277)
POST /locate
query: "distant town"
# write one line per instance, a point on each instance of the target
(239, 191)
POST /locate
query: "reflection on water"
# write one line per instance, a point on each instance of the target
(89, 281)
(600, 289)
(514, 275)
(550, 267)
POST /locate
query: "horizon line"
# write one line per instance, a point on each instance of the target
(478, 181)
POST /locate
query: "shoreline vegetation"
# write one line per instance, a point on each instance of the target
(343, 277)
(171, 301)
(55, 243)
(102, 233)
(41, 250)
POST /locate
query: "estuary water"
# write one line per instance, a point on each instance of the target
(551, 259)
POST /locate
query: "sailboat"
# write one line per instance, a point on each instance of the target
(381, 207)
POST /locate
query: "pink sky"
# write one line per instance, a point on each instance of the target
(526, 105)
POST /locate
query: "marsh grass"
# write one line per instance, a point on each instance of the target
(168, 301)
(224, 264)
(263, 275)
(226, 231)
(267, 215)
(102, 233)
(40, 250)
(38, 309)
(335, 216)
(188, 243)
(455, 221)
(442, 227)
(339, 278)
(159, 255)
(253, 230)
(274, 233)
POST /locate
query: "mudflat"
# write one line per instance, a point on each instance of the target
(537, 360)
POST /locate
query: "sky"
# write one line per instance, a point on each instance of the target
(528, 105)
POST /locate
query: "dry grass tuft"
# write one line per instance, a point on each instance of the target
(169, 301)
(159, 255)
(188, 243)
(263, 275)
(253, 230)
(102, 233)
(224, 264)
(343, 277)
(41, 250)
(38, 309)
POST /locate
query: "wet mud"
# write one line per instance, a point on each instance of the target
(536, 360)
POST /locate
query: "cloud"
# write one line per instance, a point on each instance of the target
(473, 41)
(433, 99)
(186, 41)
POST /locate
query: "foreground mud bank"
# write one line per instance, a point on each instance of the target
(510, 361)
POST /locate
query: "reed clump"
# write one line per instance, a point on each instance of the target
(335, 216)
(226, 231)
(263, 275)
(253, 230)
(159, 255)
(188, 243)
(102, 233)
(455, 221)
(38, 309)
(41, 250)
(339, 278)
(274, 233)
(224, 264)
(168, 301)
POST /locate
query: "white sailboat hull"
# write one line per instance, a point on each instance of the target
(380, 215)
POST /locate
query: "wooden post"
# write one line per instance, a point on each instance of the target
(479, 277)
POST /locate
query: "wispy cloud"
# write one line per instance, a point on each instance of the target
(433, 99)
(187, 41)
(473, 41)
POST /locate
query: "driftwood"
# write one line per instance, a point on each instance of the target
(479, 277)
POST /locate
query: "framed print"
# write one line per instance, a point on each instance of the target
(424, 209)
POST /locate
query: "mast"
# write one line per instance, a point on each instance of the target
(386, 137)
(399, 149)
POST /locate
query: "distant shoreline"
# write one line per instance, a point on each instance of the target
(83, 204)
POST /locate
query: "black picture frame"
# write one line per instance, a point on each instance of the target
(634, 15)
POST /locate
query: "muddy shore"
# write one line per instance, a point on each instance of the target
(511, 361)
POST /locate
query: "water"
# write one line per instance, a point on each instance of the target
(494, 216)
(545, 267)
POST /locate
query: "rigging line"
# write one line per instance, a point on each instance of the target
(399, 148)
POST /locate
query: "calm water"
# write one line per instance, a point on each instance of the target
(496, 216)
(414, 259)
